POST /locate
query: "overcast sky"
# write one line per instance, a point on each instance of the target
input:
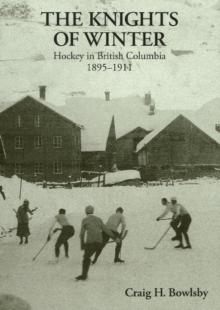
(185, 81)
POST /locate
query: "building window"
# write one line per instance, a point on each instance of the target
(57, 167)
(177, 136)
(76, 140)
(18, 121)
(38, 168)
(19, 142)
(37, 121)
(57, 142)
(38, 142)
(19, 168)
(142, 158)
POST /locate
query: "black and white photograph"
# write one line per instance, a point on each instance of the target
(109, 154)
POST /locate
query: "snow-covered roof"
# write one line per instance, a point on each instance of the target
(129, 113)
(96, 119)
(154, 133)
(95, 114)
(6, 105)
(206, 128)
(207, 117)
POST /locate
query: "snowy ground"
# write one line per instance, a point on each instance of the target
(46, 286)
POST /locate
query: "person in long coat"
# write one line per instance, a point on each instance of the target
(23, 230)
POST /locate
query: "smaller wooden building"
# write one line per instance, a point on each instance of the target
(126, 155)
(179, 142)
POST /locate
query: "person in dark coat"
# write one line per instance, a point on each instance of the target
(115, 220)
(23, 221)
(92, 226)
(67, 231)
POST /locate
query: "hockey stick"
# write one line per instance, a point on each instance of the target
(167, 219)
(154, 247)
(41, 249)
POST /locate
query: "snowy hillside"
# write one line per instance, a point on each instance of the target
(47, 286)
(211, 109)
(28, 47)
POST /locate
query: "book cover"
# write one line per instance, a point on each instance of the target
(109, 154)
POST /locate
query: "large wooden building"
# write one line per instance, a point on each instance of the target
(40, 144)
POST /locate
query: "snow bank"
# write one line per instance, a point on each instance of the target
(118, 177)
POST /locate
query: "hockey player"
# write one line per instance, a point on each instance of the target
(67, 231)
(180, 222)
(114, 221)
(23, 221)
(175, 219)
(93, 227)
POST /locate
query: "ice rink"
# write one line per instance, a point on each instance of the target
(52, 286)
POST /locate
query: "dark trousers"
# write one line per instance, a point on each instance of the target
(174, 224)
(90, 249)
(105, 241)
(185, 221)
(66, 233)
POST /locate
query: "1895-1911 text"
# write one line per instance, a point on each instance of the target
(113, 67)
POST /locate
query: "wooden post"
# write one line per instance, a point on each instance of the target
(103, 179)
(20, 191)
(20, 188)
(80, 179)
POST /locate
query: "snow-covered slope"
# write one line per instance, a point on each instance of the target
(27, 55)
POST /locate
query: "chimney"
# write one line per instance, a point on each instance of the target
(147, 99)
(107, 95)
(152, 109)
(217, 127)
(42, 91)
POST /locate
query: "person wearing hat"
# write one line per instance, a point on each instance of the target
(67, 231)
(93, 227)
(23, 221)
(180, 221)
(114, 221)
